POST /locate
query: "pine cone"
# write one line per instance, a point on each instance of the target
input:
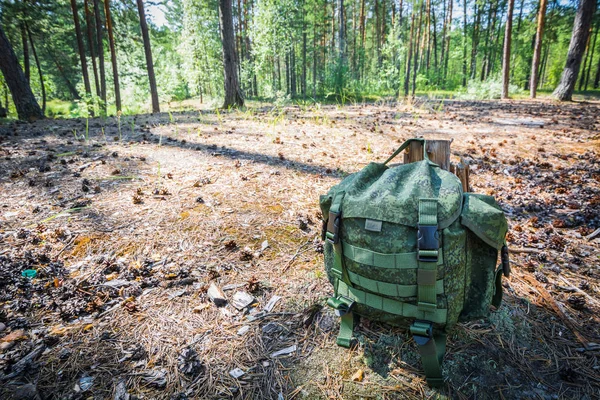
(577, 302)
(188, 362)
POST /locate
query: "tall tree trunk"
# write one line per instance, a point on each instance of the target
(341, 47)
(113, 54)
(233, 94)
(27, 107)
(448, 40)
(39, 68)
(90, 37)
(581, 30)
(475, 41)
(587, 74)
(82, 58)
(585, 58)
(444, 27)
(416, 50)
(303, 59)
(100, 44)
(26, 62)
(435, 43)
(464, 77)
(361, 59)
(148, 52)
(597, 77)
(377, 32)
(506, 53)
(314, 66)
(409, 55)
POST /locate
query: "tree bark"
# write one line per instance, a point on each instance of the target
(113, 54)
(506, 52)
(475, 41)
(148, 53)
(39, 68)
(84, 70)
(26, 62)
(409, 55)
(581, 31)
(448, 41)
(537, 51)
(464, 78)
(90, 37)
(27, 107)
(233, 94)
(100, 44)
(587, 75)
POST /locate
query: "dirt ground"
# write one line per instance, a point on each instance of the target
(129, 221)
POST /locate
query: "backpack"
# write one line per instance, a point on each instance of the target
(405, 246)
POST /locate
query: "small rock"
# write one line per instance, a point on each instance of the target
(236, 372)
(264, 245)
(2, 327)
(285, 351)
(242, 300)
(271, 303)
(216, 295)
(243, 330)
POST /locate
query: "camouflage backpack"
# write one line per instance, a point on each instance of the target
(404, 245)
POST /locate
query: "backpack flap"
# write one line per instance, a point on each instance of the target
(482, 215)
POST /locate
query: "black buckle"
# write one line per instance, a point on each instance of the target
(428, 239)
(420, 339)
(333, 227)
(505, 261)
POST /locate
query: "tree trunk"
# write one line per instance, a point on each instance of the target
(27, 107)
(506, 53)
(537, 51)
(409, 55)
(39, 68)
(233, 94)
(416, 50)
(26, 62)
(303, 84)
(90, 37)
(84, 70)
(341, 47)
(464, 78)
(581, 30)
(100, 44)
(587, 74)
(585, 58)
(314, 66)
(113, 53)
(597, 77)
(148, 52)
(475, 41)
(448, 41)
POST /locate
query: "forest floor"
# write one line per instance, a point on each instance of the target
(128, 222)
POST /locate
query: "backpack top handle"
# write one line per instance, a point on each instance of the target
(405, 145)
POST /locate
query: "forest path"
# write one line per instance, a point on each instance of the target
(130, 222)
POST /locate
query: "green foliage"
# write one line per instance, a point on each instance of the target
(487, 90)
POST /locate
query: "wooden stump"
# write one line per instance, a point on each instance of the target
(438, 151)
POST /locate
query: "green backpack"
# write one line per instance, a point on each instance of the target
(404, 245)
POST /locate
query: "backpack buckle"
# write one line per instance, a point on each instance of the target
(428, 239)
(422, 332)
(332, 233)
(342, 305)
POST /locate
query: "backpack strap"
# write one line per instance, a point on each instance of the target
(432, 348)
(428, 245)
(343, 308)
(333, 236)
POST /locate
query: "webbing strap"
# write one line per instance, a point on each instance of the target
(497, 298)
(428, 253)
(388, 305)
(432, 348)
(335, 212)
(383, 260)
(344, 338)
(389, 289)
